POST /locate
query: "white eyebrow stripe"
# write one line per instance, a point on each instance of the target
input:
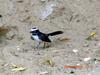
(33, 29)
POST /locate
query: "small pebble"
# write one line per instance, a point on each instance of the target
(20, 1)
(75, 50)
(87, 59)
(0, 16)
(72, 72)
(42, 73)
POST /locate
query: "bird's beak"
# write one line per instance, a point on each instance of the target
(30, 31)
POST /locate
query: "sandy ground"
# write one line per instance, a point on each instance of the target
(76, 18)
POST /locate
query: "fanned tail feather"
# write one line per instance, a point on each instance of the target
(55, 33)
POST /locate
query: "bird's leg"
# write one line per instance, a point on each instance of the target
(47, 44)
(44, 45)
(38, 45)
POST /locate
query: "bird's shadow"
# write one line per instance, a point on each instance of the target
(56, 42)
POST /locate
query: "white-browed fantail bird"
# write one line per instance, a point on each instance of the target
(42, 37)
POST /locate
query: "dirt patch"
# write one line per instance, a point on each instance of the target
(68, 52)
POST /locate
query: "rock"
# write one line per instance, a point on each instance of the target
(10, 35)
(0, 16)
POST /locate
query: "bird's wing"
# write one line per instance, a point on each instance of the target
(45, 38)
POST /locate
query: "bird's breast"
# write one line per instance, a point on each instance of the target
(35, 37)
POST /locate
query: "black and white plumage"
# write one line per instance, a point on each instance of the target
(42, 37)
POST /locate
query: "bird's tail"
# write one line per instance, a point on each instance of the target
(55, 33)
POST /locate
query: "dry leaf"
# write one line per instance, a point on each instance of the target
(63, 39)
(3, 31)
(93, 34)
(49, 62)
(18, 68)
